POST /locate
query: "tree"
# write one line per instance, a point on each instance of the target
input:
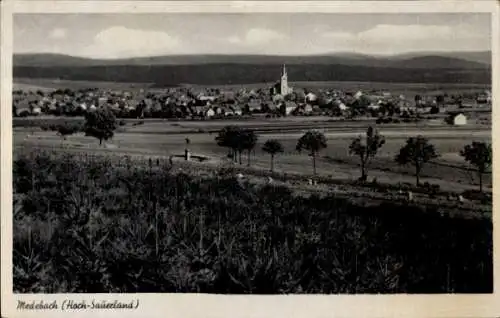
(100, 124)
(273, 147)
(418, 99)
(65, 130)
(229, 137)
(367, 149)
(440, 99)
(417, 151)
(313, 141)
(248, 140)
(478, 154)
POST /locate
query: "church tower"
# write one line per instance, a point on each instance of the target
(284, 82)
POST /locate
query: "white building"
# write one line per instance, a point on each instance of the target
(284, 82)
(310, 97)
(210, 113)
(459, 120)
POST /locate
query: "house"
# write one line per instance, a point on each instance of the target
(358, 94)
(308, 109)
(468, 102)
(36, 110)
(310, 97)
(198, 110)
(254, 105)
(210, 113)
(457, 119)
(290, 107)
(237, 111)
(228, 112)
(482, 99)
(343, 106)
(374, 106)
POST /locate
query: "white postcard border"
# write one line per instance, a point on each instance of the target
(201, 305)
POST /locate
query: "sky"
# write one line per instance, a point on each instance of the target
(135, 35)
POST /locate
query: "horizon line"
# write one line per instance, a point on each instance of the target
(256, 54)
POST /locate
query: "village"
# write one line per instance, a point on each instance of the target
(217, 103)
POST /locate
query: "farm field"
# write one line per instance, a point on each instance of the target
(479, 121)
(449, 171)
(44, 84)
(408, 89)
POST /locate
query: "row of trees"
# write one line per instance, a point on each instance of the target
(417, 151)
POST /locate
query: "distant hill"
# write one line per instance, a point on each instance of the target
(468, 60)
(482, 57)
(241, 69)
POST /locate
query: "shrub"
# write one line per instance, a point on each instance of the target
(86, 223)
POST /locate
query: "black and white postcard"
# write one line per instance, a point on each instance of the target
(254, 159)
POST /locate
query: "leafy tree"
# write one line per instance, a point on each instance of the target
(100, 124)
(229, 137)
(313, 141)
(248, 140)
(440, 99)
(246, 110)
(273, 147)
(417, 151)
(418, 99)
(65, 130)
(366, 149)
(478, 154)
(363, 101)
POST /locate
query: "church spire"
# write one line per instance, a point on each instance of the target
(284, 69)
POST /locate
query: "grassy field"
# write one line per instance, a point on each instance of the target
(43, 84)
(408, 89)
(157, 138)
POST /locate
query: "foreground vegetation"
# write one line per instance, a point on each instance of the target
(86, 225)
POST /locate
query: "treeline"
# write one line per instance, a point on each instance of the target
(218, 74)
(85, 225)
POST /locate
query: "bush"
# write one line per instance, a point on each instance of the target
(483, 197)
(98, 224)
(24, 113)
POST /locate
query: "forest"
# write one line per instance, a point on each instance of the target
(224, 74)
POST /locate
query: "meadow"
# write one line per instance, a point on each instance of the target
(165, 139)
(49, 84)
(83, 223)
(407, 89)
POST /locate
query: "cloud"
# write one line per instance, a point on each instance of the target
(121, 42)
(257, 37)
(387, 32)
(392, 38)
(58, 33)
